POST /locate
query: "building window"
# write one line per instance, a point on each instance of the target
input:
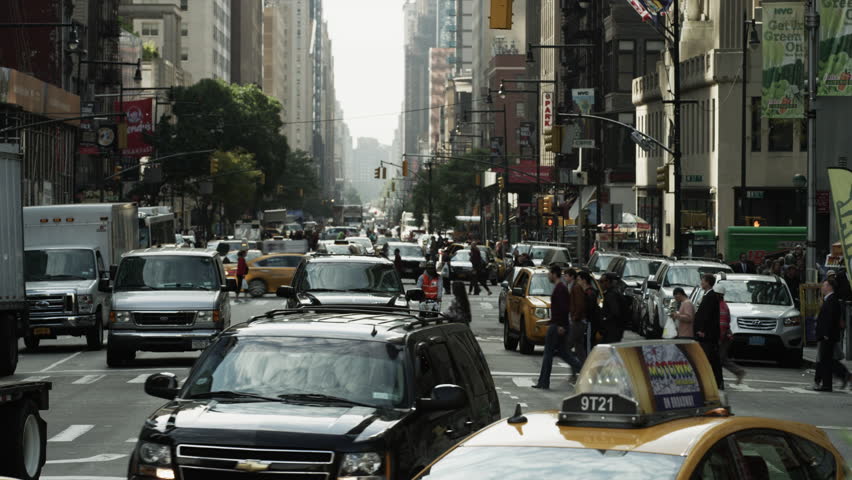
(184, 53)
(756, 119)
(150, 29)
(184, 30)
(184, 4)
(781, 132)
(520, 110)
(626, 67)
(653, 48)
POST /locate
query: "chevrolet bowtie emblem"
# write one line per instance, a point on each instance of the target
(253, 466)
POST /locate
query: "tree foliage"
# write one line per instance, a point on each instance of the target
(454, 189)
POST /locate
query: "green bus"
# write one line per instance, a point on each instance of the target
(761, 242)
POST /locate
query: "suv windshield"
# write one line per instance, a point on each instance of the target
(407, 250)
(514, 463)
(538, 253)
(302, 368)
(167, 272)
(43, 265)
(689, 276)
(601, 263)
(756, 291)
(540, 285)
(351, 276)
(640, 268)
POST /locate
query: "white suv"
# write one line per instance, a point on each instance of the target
(764, 320)
(658, 290)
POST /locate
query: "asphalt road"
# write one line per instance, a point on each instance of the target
(96, 412)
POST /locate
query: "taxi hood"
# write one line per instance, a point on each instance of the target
(269, 424)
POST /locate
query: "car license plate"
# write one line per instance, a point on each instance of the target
(41, 331)
(200, 344)
(756, 341)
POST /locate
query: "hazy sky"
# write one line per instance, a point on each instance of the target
(366, 40)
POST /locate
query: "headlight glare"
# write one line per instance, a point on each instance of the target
(542, 312)
(360, 464)
(119, 317)
(155, 454)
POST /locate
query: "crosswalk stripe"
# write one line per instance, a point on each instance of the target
(523, 382)
(71, 433)
(131, 440)
(88, 379)
(36, 378)
(799, 390)
(139, 378)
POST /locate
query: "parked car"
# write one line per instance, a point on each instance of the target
(339, 247)
(632, 271)
(167, 300)
(345, 281)
(764, 320)
(658, 292)
(599, 262)
(319, 395)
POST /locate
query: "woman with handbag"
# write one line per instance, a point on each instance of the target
(242, 271)
(683, 317)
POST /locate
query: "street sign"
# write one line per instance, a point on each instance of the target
(584, 99)
(584, 143)
(694, 178)
(756, 194)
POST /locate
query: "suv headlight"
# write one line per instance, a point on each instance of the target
(85, 304)
(361, 466)
(542, 312)
(792, 321)
(155, 454)
(119, 317)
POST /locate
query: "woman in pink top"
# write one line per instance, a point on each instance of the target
(685, 315)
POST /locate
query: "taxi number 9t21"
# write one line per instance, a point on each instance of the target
(593, 403)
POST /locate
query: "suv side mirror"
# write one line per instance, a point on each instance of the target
(285, 291)
(415, 295)
(444, 397)
(231, 285)
(653, 285)
(104, 285)
(518, 291)
(162, 385)
(504, 285)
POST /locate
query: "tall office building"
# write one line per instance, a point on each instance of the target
(207, 43)
(247, 42)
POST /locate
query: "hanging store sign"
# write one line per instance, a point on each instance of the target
(640, 9)
(547, 109)
(584, 99)
(835, 49)
(140, 122)
(783, 60)
(841, 193)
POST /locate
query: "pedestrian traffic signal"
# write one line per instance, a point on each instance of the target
(553, 139)
(663, 178)
(377, 172)
(214, 166)
(501, 15)
(404, 167)
(550, 222)
(547, 205)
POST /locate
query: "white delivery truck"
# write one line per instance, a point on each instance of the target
(24, 437)
(69, 250)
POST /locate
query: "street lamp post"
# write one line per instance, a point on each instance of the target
(505, 164)
(753, 40)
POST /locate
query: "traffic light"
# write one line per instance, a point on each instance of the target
(393, 186)
(553, 139)
(262, 178)
(214, 166)
(377, 172)
(384, 173)
(547, 205)
(404, 167)
(279, 189)
(550, 222)
(540, 205)
(663, 178)
(501, 182)
(501, 15)
(117, 169)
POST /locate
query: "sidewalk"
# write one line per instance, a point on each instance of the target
(809, 358)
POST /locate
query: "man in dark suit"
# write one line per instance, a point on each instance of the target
(829, 332)
(744, 265)
(707, 328)
(557, 337)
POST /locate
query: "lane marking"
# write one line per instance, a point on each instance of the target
(113, 370)
(750, 380)
(523, 382)
(513, 397)
(486, 306)
(36, 378)
(60, 362)
(523, 405)
(104, 457)
(525, 374)
(131, 440)
(799, 390)
(742, 388)
(71, 433)
(88, 379)
(139, 378)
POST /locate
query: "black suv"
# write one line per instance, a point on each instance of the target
(367, 395)
(347, 280)
(633, 270)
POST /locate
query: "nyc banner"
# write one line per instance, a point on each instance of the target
(835, 49)
(783, 60)
(840, 180)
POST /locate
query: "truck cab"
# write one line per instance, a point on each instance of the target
(66, 293)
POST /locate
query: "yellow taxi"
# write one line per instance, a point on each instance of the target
(527, 308)
(642, 410)
(269, 272)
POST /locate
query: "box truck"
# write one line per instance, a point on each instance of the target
(68, 253)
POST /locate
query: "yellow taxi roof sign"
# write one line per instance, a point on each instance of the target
(641, 383)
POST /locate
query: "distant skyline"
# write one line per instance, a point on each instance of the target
(367, 44)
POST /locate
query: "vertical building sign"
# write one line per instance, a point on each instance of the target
(783, 60)
(547, 109)
(841, 193)
(835, 49)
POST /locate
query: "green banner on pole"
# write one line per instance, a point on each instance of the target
(835, 48)
(783, 60)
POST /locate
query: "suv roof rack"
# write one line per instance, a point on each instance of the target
(701, 259)
(415, 320)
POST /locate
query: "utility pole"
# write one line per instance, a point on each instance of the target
(429, 167)
(505, 170)
(812, 21)
(675, 53)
